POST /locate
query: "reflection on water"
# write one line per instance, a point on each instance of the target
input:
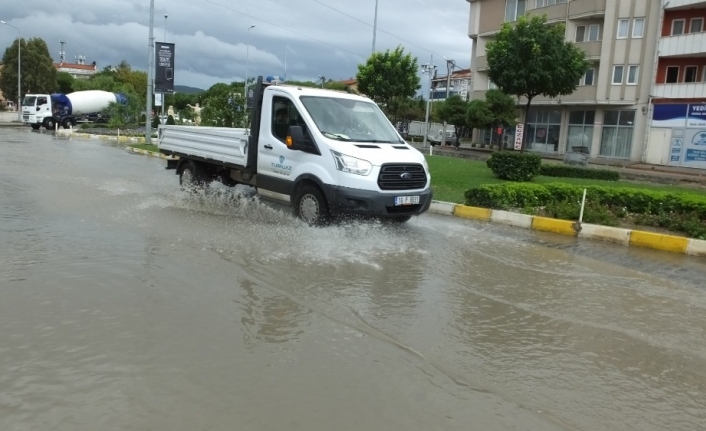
(125, 302)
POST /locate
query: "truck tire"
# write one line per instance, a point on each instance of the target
(36, 126)
(48, 123)
(310, 206)
(401, 219)
(191, 177)
(68, 123)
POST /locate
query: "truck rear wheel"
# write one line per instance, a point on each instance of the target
(190, 177)
(310, 206)
(68, 123)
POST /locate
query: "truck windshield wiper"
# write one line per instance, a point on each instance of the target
(336, 136)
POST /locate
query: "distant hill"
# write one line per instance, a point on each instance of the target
(187, 90)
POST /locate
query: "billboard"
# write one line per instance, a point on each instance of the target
(164, 68)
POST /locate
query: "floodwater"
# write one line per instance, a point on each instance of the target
(128, 304)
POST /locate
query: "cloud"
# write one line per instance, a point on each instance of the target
(325, 37)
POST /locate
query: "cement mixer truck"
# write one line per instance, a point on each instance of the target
(66, 110)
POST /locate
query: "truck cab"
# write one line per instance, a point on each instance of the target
(324, 152)
(37, 111)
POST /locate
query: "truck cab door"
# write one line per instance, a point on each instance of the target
(276, 163)
(43, 106)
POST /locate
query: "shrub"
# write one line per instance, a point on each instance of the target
(143, 119)
(515, 166)
(155, 122)
(557, 170)
(170, 120)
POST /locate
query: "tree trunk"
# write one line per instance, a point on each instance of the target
(524, 125)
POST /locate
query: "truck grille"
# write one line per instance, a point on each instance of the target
(398, 176)
(26, 117)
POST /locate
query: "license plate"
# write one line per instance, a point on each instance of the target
(406, 200)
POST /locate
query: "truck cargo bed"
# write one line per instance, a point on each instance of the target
(220, 144)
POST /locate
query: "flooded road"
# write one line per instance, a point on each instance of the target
(127, 304)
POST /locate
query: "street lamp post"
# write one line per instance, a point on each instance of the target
(450, 65)
(247, 62)
(19, 70)
(375, 25)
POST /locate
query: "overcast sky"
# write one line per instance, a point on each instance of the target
(211, 36)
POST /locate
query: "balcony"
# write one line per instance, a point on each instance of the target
(689, 90)
(684, 45)
(481, 63)
(586, 9)
(592, 49)
(685, 4)
(583, 95)
(555, 12)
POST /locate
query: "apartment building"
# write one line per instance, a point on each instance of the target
(609, 114)
(678, 127)
(461, 85)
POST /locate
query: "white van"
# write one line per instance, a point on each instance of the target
(325, 152)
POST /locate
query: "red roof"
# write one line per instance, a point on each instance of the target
(75, 66)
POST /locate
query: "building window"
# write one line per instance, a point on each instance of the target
(617, 75)
(592, 35)
(580, 134)
(696, 25)
(616, 140)
(638, 27)
(672, 75)
(543, 3)
(623, 27)
(690, 73)
(543, 128)
(633, 74)
(678, 27)
(588, 77)
(514, 9)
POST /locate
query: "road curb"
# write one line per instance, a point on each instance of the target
(131, 139)
(627, 237)
(150, 153)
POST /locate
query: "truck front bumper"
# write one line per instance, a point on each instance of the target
(343, 200)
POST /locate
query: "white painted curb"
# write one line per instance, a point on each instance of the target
(696, 247)
(445, 208)
(605, 233)
(512, 219)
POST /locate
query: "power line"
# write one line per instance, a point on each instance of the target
(378, 29)
(284, 28)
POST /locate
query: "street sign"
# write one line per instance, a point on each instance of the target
(164, 68)
(519, 134)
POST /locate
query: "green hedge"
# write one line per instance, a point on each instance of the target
(564, 171)
(604, 205)
(515, 166)
(635, 201)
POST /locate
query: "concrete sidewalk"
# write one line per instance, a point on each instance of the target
(628, 170)
(9, 119)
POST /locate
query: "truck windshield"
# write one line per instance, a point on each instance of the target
(350, 120)
(29, 101)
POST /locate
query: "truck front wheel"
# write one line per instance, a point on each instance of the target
(310, 206)
(36, 126)
(49, 124)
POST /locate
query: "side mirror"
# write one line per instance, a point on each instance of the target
(295, 138)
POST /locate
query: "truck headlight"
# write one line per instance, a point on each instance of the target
(351, 165)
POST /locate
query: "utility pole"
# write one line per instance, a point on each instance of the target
(449, 68)
(375, 25)
(163, 95)
(428, 68)
(150, 77)
(247, 63)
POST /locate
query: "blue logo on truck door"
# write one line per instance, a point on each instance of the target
(281, 168)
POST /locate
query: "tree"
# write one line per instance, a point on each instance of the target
(223, 105)
(38, 72)
(453, 111)
(405, 109)
(64, 82)
(478, 115)
(502, 108)
(387, 75)
(531, 58)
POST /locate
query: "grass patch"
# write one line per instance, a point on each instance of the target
(148, 147)
(452, 176)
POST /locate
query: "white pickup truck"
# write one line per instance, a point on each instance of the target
(324, 152)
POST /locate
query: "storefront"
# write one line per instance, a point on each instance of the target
(678, 135)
